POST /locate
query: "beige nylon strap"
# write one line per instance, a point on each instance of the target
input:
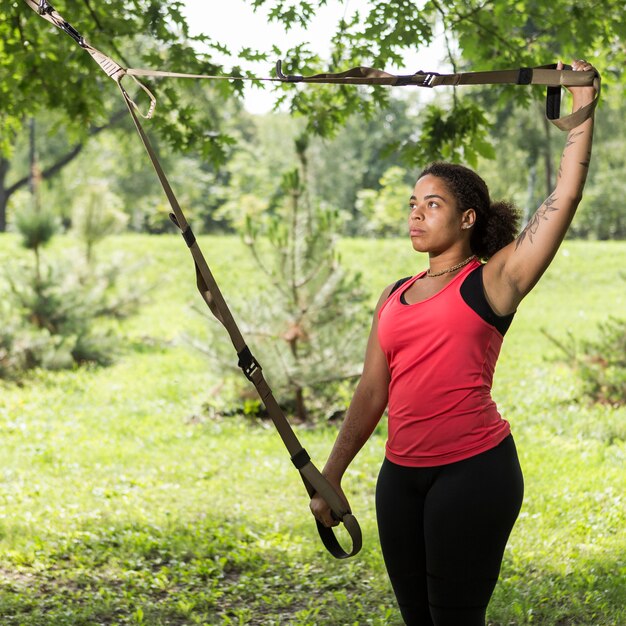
(544, 75)
(314, 481)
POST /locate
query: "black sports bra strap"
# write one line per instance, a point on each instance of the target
(473, 293)
(399, 283)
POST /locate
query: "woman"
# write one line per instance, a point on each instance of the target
(450, 487)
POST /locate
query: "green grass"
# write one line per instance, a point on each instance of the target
(122, 502)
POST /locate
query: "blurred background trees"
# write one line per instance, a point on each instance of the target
(210, 144)
(65, 134)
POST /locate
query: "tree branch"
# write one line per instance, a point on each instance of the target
(470, 16)
(49, 172)
(98, 23)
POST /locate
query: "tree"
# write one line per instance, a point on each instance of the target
(600, 216)
(57, 310)
(480, 35)
(600, 362)
(309, 321)
(358, 155)
(49, 170)
(384, 211)
(42, 70)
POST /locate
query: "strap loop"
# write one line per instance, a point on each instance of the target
(189, 237)
(316, 483)
(553, 101)
(300, 459)
(525, 76)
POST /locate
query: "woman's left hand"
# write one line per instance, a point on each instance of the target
(581, 95)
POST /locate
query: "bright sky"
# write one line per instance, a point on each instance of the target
(235, 24)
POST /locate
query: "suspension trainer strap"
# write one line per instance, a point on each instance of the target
(546, 75)
(313, 480)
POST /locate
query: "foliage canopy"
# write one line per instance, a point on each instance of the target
(46, 70)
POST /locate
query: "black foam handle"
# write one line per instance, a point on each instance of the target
(553, 96)
(553, 103)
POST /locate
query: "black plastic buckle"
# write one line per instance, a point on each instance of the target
(189, 237)
(248, 363)
(187, 234)
(73, 33)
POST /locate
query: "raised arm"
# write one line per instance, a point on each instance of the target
(366, 408)
(513, 271)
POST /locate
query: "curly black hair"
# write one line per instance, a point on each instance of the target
(496, 223)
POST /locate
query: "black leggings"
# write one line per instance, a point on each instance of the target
(443, 531)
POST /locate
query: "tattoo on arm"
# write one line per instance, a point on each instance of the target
(533, 225)
(587, 160)
(571, 139)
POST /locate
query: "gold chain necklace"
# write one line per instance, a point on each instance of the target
(451, 269)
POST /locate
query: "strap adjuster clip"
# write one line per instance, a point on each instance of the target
(73, 33)
(45, 8)
(248, 363)
(428, 79)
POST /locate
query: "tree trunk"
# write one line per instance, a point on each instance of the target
(301, 412)
(49, 172)
(530, 195)
(4, 196)
(548, 156)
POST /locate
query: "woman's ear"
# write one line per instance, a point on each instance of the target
(468, 219)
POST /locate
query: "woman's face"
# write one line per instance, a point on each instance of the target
(435, 223)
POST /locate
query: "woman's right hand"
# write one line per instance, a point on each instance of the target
(322, 512)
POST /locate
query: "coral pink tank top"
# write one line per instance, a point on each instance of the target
(441, 356)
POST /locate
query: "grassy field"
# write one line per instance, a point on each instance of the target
(122, 502)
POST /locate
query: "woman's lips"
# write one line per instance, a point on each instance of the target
(416, 232)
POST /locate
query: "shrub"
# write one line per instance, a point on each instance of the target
(55, 309)
(309, 321)
(600, 362)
